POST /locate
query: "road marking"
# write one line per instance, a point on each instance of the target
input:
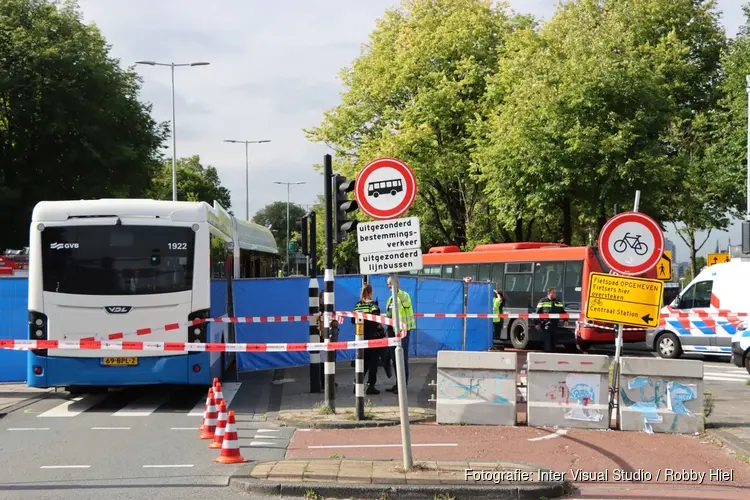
(427, 445)
(725, 378)
(303, 430)
(266, 436)
(268, 430)
(175, 466)
(28, 428)
(558, 433)
(260, 443)
(141, 407)
(230, 390)
(110, 428)
(183, 428)
(75, 407)
(65, 467)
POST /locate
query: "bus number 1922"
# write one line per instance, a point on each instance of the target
(178, 246)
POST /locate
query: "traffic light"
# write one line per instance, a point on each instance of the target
(342, 206)
(303, 223)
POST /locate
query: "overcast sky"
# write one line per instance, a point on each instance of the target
(274, 71)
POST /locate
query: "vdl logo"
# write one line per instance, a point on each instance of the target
(118, 309)
(60, 246)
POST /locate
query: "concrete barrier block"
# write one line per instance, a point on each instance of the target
(661, 395)
(568, 390)
(476, 388)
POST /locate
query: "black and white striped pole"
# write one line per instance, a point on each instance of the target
(330, 362)
(312, 294)
(359, 371)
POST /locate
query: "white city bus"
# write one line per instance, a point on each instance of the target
(98, 267)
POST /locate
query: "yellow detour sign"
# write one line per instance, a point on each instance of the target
(624, 300)
(664, 267)
(717, 258)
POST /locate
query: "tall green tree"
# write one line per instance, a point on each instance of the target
(71, 124)
(274, 215)
(576, 122)
(413, 94)
(194, 183)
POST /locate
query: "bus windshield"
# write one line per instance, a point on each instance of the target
(117, 260)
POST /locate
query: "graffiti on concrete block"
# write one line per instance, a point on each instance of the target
(486, 386)
(579, 392)
(584, 390)
(654, 396)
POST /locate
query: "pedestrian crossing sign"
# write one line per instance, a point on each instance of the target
(664, 267)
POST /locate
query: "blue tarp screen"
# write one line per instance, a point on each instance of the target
(289, 297)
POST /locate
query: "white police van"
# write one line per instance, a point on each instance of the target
(741, 347)
(686, 328)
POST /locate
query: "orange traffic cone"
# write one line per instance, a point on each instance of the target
(208, 400)
(216, 381)
(221, 425)
(209, 423)
(230, 447)
(218, 394)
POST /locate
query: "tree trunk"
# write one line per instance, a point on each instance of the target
(691, 246)
(567, 228)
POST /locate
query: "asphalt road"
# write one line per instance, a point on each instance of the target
(142, 442)
(135, 443)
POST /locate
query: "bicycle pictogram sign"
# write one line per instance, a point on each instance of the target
(631, 243)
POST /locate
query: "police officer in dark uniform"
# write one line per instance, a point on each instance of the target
(549, 305)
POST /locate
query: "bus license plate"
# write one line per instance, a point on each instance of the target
(120, 361)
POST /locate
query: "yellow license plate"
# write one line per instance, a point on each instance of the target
(120, 362)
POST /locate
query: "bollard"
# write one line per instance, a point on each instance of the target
(314, 335)
(330, 363)
(359, 372)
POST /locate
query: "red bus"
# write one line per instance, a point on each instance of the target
(524, 272)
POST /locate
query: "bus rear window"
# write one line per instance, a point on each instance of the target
(117, 260)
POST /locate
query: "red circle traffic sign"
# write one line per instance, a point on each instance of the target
(386, 188)
(631, 243)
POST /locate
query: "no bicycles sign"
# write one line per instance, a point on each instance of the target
(631, 243)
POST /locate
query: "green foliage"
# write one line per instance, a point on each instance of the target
(412, 94)
(71, 125)
(274, 215)
(194, 183)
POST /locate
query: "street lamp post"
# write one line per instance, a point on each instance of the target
(247, 175)
(174, 133)
(288, 234)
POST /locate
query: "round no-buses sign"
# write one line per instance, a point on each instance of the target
(385, 188)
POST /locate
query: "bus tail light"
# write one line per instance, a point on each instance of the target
(38, 330)
(197, 368)
(37, 370)
(198, 333)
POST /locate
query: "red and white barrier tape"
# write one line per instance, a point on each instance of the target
(126, 345)
(388, 321)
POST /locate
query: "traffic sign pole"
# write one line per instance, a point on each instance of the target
(385, 190)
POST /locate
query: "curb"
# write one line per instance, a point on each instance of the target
(533, 491)
(349, 424)
(23, 404)
(729, 441)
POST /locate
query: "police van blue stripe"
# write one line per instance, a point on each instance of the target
(703, 327)
(679, 329)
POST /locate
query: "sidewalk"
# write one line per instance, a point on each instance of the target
(354, 478)
(14, 396)
(616, 464)
(291, 402)
(730, 419)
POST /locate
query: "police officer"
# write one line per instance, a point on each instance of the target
(549, 305)
(373, 331)
(497, 323)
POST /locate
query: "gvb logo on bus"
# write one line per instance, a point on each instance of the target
(63, 246)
